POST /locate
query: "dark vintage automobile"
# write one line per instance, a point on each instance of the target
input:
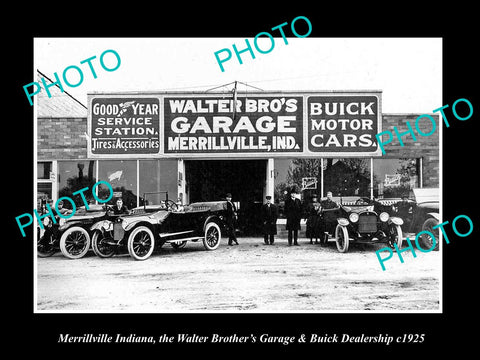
(71, 236)
(420, 212)
(151, 226)
(365, 222)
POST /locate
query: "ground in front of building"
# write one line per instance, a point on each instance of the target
(248, 277)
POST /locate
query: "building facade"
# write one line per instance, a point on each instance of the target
(200, 146)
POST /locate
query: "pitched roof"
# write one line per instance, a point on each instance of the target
(60, 104)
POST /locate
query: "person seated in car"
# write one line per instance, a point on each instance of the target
(61, 210)
(119, 208)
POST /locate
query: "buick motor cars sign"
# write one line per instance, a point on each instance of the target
(343, 124)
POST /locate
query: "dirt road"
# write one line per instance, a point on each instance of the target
(249, 277)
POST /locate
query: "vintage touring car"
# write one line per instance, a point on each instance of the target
(364, 222)
(421, 213)
(71, 236)
(151, 226)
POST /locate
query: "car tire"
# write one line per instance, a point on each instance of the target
(75, 242)
(341, 238)
(212, 236)
(141, 243)
(45, 247)
(397, 232)
(426, 240)
(101, 250)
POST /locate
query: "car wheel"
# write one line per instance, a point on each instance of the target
(101, 246)
(396, 236)
(426, 240)
(341, 238)
(141, 243)
(211, 241)
(45, 247)
(75, 242)
(178, 245)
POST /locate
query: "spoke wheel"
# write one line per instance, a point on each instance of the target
(212, 237)
(395, 236)
(75, 242)
(141, 243)
(425, 239)
(341, 238)
(45, 246)
(101, 246)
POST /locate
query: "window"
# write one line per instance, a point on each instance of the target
(73, 176)
(395, 177)
(149, 181)
(122, 176)
(347, 177)
(43, 170)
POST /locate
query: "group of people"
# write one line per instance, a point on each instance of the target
(320, 218)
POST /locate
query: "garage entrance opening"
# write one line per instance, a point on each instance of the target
(210, 180)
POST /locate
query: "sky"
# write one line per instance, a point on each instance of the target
(408, 71)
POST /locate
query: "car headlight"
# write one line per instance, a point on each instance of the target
(46, 221)
(342, 221)
(384, 216)
(353, 217)
(61, 221)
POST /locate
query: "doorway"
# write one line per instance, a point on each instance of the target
(210, 180)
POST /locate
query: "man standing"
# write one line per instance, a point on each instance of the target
(293, 213)
(269, 216)
(313, 220)
(231, 216)
(329, 208)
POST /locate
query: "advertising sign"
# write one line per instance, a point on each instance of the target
(343, 124)
(124, 126)
(254, 124)
(265, 125)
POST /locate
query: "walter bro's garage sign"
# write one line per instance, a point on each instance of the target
(124, 126)
(241, 124)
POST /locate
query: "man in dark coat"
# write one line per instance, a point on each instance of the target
(119, 208)
(230, 218)
(293, 213)
(269, 214)
(313, 220)
(329, 214)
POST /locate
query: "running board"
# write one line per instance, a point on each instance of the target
(173, 234)
(184, 239)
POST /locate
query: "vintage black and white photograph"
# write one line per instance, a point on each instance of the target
(274, 174)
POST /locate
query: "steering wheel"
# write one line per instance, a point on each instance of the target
(362, 201)
(171, 205)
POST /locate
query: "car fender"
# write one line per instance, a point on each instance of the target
(99, 226)
(343, 222)
(395, 220)
(436, 216)
(211, 218)
(69, 224)
(146, 222)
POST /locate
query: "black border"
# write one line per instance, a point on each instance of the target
(455, 26)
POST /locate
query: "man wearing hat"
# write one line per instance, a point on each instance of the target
(269, 214)
(230, 218)
(293, 213)
(330, 214)
(313, 220)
